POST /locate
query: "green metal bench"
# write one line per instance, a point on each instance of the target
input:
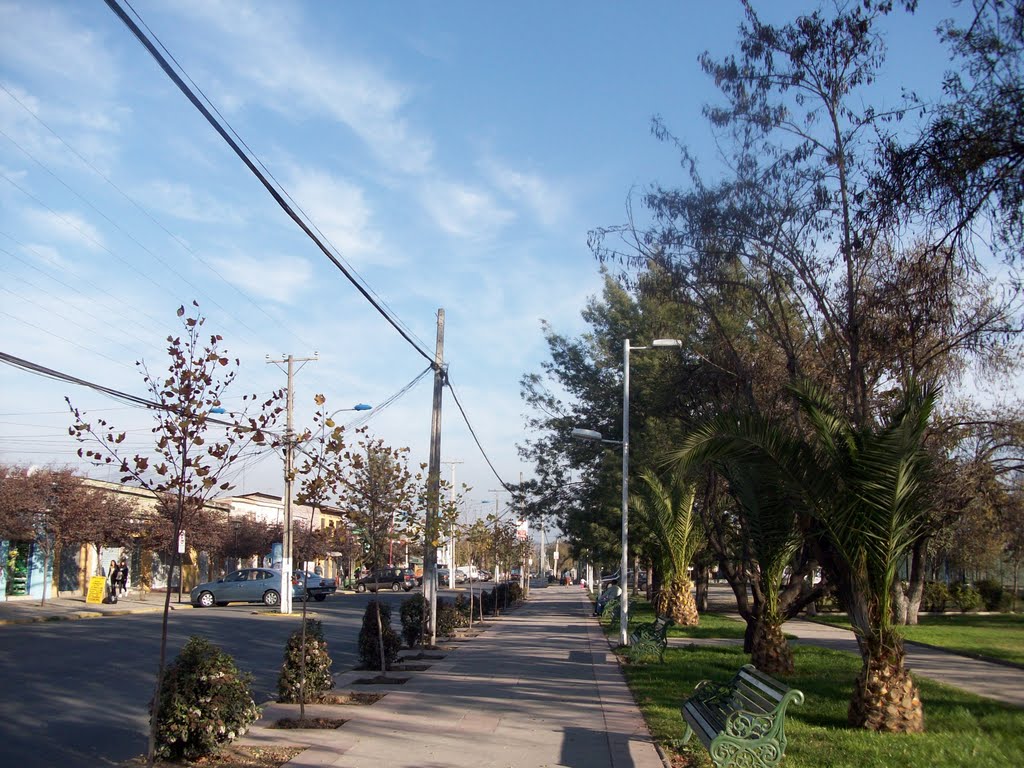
(741, 722)
(650, 638)
(611, 611)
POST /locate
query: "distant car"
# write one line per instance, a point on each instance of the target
(248, 585)
(318, 587)
(482, 575)
(395, 579)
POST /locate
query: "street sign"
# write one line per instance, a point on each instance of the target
(181, 542)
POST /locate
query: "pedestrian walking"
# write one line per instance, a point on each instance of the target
(122, 576)
(113, 581)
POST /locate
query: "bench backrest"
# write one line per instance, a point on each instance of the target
(755, 691)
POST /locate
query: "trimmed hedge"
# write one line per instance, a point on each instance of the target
(318, 665)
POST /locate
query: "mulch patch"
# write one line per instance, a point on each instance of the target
(381, 680)
(309, 722)
(231, 756)
(351, 698)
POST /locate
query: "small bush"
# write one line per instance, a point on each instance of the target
(369, 646)
(448, 618)
(205, 703)
(936, 597)
(487, 602)
(462, 609)
(412, 612)
(318, 665)
(966, 597)
(515, 592)
(993, 596)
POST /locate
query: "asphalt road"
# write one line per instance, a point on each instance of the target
(75, 694)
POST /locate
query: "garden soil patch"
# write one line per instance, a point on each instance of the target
(349, 699)
(309, 722)
(232, 756)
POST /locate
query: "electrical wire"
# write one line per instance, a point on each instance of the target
(472, 432)
(129, 319)
(278, 198)
(361, 420)
(143, 211)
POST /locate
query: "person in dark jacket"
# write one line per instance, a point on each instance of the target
(113, 581)
(122, 576)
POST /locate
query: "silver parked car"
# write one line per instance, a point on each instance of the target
(249, 585)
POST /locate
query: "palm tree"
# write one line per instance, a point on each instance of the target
(864, 488)
(767, 516)
(668, 513)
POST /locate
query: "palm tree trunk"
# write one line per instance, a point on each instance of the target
(770, 651)
(885, 697)
(676, 601)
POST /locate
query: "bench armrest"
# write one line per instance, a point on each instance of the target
(743, 724)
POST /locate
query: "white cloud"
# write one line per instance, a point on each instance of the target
(67, 226)
(42, 41)
(464, 211)
(184, 202)
(338, 208)
(274, 277)
(548, 203)
(288, 75)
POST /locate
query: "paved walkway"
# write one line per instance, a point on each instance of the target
(539, 688)
(23, 610)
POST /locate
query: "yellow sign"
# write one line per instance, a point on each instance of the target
(97, 589)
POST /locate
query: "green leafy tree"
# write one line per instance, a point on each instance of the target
(187, 464)
(866, 489)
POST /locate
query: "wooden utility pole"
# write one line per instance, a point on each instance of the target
(289, 473)
(434, 483)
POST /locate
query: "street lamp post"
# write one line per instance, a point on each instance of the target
(285, 602)
(589, 434)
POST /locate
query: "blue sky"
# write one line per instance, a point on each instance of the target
(456, 155)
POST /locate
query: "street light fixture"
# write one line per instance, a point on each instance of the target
(589, 434)
(285, 602)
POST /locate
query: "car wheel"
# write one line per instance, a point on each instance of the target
(206, 599)
(271, 597)
(395, 586)
(360, 587)
(319, 598)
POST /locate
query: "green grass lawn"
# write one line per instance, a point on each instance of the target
(962, 729)
(711, 624)
(999, 636)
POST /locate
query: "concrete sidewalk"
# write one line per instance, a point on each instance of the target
(24, 610)
(539, 688)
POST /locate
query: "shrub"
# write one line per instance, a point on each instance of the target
(966, 597)
(448, 618)
(318, 665)
(515, 592)
(412, 612)
(369, 645)
(936, 597)
(487, 602)
(205, 702)
(994, 597)
(462, 609)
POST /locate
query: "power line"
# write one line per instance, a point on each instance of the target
(81, 279)
(138, 207)
(472, 432)
(171, 73)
